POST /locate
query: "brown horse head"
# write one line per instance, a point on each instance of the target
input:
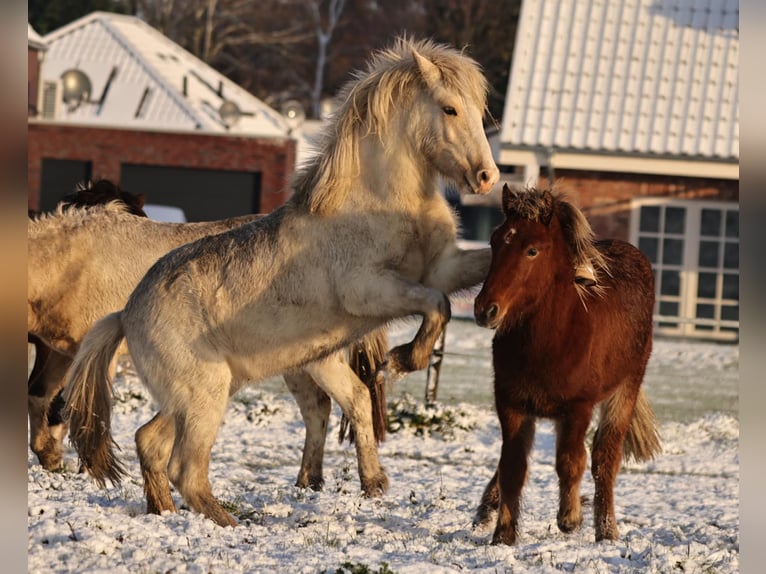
(103, 191)
(541, 241)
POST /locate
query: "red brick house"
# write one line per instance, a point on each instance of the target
(117, 99)
(632, 107)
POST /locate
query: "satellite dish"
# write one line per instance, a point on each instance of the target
(76, 88)
(294, 113)
(230, 113)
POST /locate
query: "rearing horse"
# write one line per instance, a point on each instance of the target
(560, 349)
(365, 238)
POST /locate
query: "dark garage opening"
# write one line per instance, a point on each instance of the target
(60, 177)
(203, 194)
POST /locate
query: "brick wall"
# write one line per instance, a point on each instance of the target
(605, 197)
(107, 149)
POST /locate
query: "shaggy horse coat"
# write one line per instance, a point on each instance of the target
(365, 238)
(560, 349)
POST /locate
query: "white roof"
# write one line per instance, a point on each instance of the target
(33, 38)
(147, 88)
(635, 77)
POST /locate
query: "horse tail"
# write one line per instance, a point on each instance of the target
(89, 401)
(642, 442)
(365, 356)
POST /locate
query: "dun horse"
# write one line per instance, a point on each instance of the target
(559, 350)
(84, 263)
(365, 238)
(44, 403)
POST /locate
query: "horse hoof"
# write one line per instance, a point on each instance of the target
(607, 533)
(483, 516)
(376, 486)
(569, 524)
(504, 537)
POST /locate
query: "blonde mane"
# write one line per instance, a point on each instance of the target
(366, 104)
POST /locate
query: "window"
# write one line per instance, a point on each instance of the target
(694, 250)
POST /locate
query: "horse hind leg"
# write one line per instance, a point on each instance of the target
(197, 417)
(571, 460)
(315, 407)
(339, 381)
(154, 442)
(615, 418)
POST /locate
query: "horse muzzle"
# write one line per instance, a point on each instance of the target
(487, 315)
(483, 180)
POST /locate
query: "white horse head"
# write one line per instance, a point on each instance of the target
(415, 102)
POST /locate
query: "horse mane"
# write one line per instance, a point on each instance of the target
(366, 102)
(95, 192)
(541, 206)
(68, 216)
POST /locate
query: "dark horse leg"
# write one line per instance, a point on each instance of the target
(490, 500)
(518, 436)
(46, 427)
(571, 460)
(616, 415)
(315, 407)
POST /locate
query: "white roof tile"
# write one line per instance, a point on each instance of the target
(147, 89)
(626, 76)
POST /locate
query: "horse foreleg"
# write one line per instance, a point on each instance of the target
(616, 415)
(571, 459)
(490, 500)
(154, 442)
(518, 436)
(340, 382)
(315, 407)
(46, 428)
(387, 296)
(458, 269)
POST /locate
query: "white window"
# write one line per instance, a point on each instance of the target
(694, 250)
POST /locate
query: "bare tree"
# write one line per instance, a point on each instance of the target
(324, 26)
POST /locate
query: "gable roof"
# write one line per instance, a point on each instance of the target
(155, 84)
(632, 77)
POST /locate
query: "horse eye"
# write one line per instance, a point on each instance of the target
(531, 252)
(449, 110)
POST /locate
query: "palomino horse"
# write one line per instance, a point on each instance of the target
(44, 402)
(84, 263)
(365, 238)
(559, 350)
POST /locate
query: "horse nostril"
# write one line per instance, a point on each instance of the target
(491, 312)
(486, 179)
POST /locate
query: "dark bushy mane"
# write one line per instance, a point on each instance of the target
(103, 191)
(366, 104)
(542, 205)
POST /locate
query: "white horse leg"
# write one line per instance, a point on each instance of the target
(339, 381)
(315, 409)
(458, 269)
(198, 411)
(389, 295)
(154, 442)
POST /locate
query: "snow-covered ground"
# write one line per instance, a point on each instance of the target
(679, 513)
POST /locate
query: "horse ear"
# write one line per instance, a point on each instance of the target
(547, 208)
(428, 69)
(140, 199)
(507, 197)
